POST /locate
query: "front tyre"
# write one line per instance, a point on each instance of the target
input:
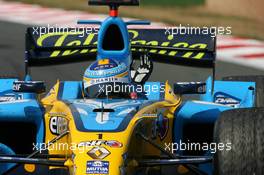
(244, 129)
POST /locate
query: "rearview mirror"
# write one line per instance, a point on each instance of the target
(190, 88)
(37, 87)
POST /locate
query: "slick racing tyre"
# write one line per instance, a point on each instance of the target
(243, 129)
(259, 80)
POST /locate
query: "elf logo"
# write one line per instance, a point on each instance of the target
(17, 87)
(58, 125)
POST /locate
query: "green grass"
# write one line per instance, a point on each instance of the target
(173, 2)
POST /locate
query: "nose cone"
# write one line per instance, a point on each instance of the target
(103, 138)
(101, 156)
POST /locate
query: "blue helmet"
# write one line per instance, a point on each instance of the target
(104, 71)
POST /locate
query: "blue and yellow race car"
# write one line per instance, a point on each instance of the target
(115, 121)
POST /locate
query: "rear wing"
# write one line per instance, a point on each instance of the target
(76, 44)
(191, 49)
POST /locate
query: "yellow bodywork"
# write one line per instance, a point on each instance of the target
(119, 157)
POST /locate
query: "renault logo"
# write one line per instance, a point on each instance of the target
(98, 153)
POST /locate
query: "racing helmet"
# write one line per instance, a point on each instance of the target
(105, 71)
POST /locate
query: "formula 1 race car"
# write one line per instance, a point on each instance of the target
(115, 121)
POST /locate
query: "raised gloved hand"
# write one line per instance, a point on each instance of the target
(143, 72)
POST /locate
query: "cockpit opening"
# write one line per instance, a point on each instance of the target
(113, 39)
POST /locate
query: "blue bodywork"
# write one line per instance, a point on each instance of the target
(22, 107)
(25, 108)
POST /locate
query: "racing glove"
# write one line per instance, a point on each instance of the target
(143, 72)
